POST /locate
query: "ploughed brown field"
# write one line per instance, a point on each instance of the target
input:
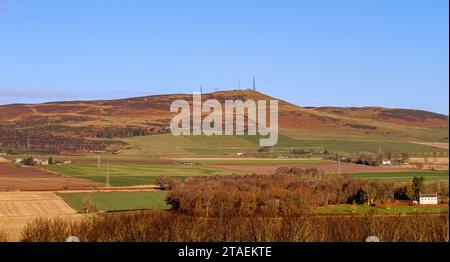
(329, 167)
(32, 178)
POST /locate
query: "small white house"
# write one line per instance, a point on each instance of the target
(240, 154)
(428, 199)
(17, 160)
(386, 162)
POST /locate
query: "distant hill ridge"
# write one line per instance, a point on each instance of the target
(98, 119)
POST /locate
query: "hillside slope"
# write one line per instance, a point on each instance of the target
(81, 126)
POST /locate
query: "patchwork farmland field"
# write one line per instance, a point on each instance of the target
(403, 176)
(252, 161)
(19, 204)
(348, 209)
(326, 166)
(117, 201)
(167, 145)
(131, 175)
(31, 178)
(17, 209)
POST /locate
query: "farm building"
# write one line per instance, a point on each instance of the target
(428, 199)
(17, 160)
(386, 162)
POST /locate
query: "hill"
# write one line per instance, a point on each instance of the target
(109, 125)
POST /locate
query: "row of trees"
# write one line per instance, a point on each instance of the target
(372, 159)
(288, 192)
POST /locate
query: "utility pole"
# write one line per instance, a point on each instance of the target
(254, 84)
(339, 164)
(201, 90)
(107, 176)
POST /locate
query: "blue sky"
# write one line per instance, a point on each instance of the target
(312, 53)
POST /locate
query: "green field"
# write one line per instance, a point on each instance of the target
(136, 174)
(117, 201)
(404, 176)
(365, 209)
(261, 161)
(188, 146)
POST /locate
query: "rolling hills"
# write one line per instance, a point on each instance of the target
(125, 125)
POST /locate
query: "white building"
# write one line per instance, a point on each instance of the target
(428, 199)
(386, 162)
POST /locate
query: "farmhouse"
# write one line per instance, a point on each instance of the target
(428, 199)
(17, 160)
(386, 162)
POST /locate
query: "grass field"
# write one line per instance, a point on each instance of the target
(117, 201)
(185, 146)
(138, 174)
(365, 209)
(257, 161)
(404, 176)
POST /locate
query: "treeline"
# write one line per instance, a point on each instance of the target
(111, 132)
(372, 159)
(20, 141)
(288, 192)
(165, 226)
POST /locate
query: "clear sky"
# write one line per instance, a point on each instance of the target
(312, 53)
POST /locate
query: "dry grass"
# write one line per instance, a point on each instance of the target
(163, 226)
(4, 237)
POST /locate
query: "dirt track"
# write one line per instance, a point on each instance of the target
(31, 178)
